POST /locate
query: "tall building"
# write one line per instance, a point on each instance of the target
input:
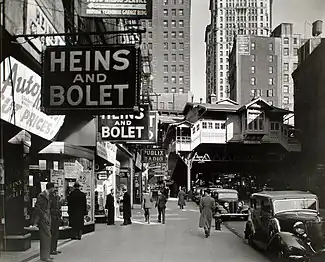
(228, 19)
(168, 42)
(255, 68)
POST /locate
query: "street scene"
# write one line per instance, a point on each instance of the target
(165, 130)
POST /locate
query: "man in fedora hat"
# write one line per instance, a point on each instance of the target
(77, 209)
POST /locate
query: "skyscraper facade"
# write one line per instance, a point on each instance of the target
(228, 19)
(168, 42)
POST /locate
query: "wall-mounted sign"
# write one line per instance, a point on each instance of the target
(154, 156)
(125, 127)
(133, 9)
(89, 78)
(102, 176)
(243, 45)
(153, 129)
(24, 85)
(38, 23)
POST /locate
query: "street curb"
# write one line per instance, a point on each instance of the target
(234, 231)
(37, 254)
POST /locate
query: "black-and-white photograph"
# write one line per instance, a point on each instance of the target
(162, 130)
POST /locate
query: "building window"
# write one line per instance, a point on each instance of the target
(253, 81)
(181, 23)
(149, 23)
(253, 45)
(210, 125)
(165, 12)
(166, 46)
(173, 79)
(165, 57)
(165, 2)
(255, 121)
(174, 57)
(295, 51)
(166, 89)
(174, 34)
(162, 105)
(174, 90)
(181, 34)
(253, 69)
(285, 51)
(286, 40)
(170, 106)
(165, 68)
(181, 68)
(204, 125)
(181, 90)
(173, 68)
(285, 100)
(221, 94)
(165, 35)
(286, 66)
(270, 93)
(217, 125)
(181, 80)
(149, 34)
(173, 46)
(180, 12)
(173, 12)
(221, 67)
(270, 103)
(270, 69)
(271, 81)
(270, 47)
(165, 79)
(181, 46)
(174, 2)
(150, 46)
(181, 2)
(165, 23)
(174, 23)
(295, 40)
(223, 125)
(286, 78)
(286, 89)
(253, 58)
(270, 58)
(181, 57)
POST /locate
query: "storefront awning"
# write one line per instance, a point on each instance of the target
(67, 149)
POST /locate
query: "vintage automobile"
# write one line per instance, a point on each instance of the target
(229, 204)
(287, 224)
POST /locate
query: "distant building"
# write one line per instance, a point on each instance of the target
(168, 42)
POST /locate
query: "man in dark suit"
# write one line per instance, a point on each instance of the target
(126, 208)
(55, 210)
(77, 209)
(42, 217)
(110, 209)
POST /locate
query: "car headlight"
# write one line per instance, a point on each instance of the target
(240, 204)
(226, 204)
(299, 228)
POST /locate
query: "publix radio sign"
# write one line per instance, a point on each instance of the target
(154, 156)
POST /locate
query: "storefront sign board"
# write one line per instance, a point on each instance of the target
(154, 156)
(101, 150)
(121, 128)
(136, 9)
(97, 78)
(87, 188)
(25, 85)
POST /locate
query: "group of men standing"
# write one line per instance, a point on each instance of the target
(47, 216)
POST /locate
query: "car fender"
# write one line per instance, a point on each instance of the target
(289, 242)
(274, 224)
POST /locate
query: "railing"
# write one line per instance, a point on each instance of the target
(183, 139)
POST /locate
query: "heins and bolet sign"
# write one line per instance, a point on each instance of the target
(89, 78)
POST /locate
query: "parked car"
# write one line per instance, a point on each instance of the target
(287, 224)
(229, 203)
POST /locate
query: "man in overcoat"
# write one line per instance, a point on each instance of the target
(161, 205)
(181, 198)
(127, 213)
(42, 217)
(110, 207)
(77, 209)
(207, 208)
(55, 210)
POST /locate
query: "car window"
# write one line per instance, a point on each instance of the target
(265, 206)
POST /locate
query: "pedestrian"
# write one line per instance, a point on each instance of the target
(110, 208)
(161, 205)
(147, 205)
(181, 198)
(42, 218)
(165, 191)
(77, 209)
(55, 210)
(207, 207)
(126, 208)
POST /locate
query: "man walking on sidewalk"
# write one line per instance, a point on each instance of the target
(55, 210)
(127, 213)
(110, 208)
(161, 204)
(42, 217)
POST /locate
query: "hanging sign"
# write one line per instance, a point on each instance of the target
(96, 78)
(154, 156)
(125, 127)
(133, 9)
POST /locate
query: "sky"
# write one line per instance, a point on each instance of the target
(284, 11)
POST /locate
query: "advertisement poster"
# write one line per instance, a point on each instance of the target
(90, 78)
(87, 188)
(25, 85)
(57, 177)
(125, 127)
(70, 170)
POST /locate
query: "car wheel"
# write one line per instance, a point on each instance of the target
(281, 256)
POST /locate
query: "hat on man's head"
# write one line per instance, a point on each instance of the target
(76, 185)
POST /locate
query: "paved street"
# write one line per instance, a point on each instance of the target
(178, 240)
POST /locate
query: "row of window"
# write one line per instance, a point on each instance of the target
(173, 80)
(173, 2)
(174, 11)
(174, 57)
(259, 92)
(253, 81)
(174, 23)
(270, 58)
(174, 68)
(209, 125)
(174, 46)
(174, 34)
(173, 90)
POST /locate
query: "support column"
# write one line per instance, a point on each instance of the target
(189, 177)
(131, 165)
